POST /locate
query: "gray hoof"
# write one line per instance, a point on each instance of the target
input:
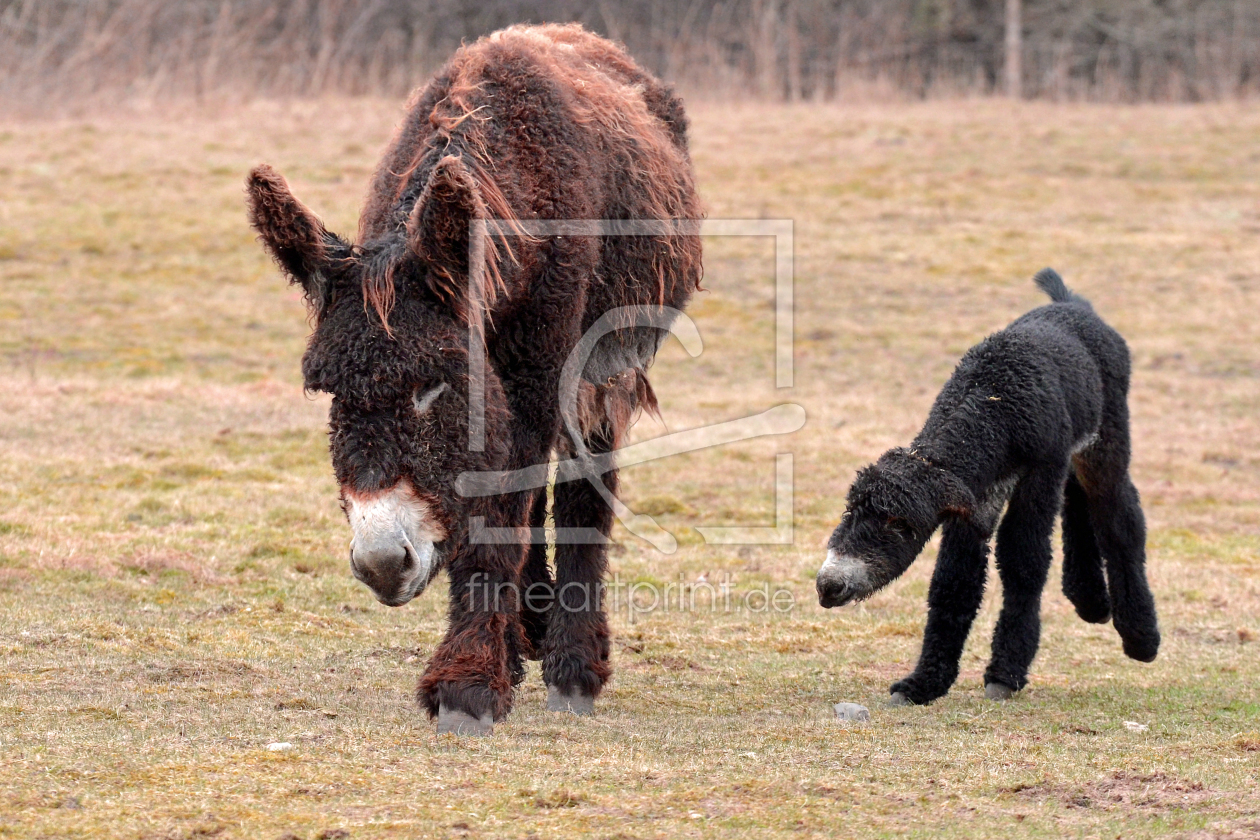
(577, 702)
(899, 699)
(997, 691)
(455, 722)
(851, 711)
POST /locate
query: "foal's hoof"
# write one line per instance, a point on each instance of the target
(899, 699)
(1143, 649)
(577, 702)
(455, 722)
(997, 691)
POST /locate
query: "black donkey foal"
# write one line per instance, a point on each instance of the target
(1034, 417)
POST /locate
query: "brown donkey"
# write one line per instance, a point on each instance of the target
(527, 125)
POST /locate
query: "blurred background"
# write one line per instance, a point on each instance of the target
(174, 588)
(63, 52)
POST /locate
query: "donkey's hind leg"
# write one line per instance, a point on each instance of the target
(537, 590)
(1083, 581)
(576, 649)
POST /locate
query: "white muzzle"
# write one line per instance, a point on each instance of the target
(392, 550)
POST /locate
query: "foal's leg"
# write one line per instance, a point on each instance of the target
(537, 592)
(576, 651)
(1119, 526)
(1121, 529)
(953, 599)
(1023, 560)
(1083, 582)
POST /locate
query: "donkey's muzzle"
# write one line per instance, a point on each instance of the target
(393, 546)
(393, 570)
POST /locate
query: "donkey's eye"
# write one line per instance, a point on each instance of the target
(422, 400)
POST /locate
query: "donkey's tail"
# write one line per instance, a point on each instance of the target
(1049, 281)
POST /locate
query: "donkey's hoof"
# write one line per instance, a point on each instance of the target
(455, 722)
(899, 699)
(997, 691)
(576, 702)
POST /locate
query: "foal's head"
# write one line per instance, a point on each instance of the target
(894, 505)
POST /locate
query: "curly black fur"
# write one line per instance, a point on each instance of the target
(1035, 418)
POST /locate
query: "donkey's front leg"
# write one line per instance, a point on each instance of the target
(469, 681)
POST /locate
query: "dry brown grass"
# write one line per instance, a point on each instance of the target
(173, 592)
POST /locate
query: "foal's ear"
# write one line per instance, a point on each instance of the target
(295, 237)
(438, 230)
(959, 500)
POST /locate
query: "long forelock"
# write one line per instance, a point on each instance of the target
(379, 284)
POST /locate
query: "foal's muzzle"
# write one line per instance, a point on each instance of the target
(842, 579)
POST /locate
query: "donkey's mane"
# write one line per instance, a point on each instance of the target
(455, 116)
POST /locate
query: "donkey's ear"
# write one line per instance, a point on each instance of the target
(438, 230)
(294, 235)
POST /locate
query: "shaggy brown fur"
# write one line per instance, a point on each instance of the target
(550, 123)
(601, 89)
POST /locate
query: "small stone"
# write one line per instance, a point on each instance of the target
(279, 746)
(1134, 726)
(851, 711)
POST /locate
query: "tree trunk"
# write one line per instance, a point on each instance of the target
(765, 55)
(1014, 48)
(793, 53)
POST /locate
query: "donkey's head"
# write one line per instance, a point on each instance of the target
(391, 345)
(894, 505)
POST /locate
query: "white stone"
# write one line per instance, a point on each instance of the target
(851, 711)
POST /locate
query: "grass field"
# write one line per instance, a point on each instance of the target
(174, 591)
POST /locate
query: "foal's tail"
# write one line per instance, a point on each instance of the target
(1049, 281)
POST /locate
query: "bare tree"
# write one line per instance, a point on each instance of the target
(72, 53)
(1014, 49)
(765, 26)
(792, 26)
